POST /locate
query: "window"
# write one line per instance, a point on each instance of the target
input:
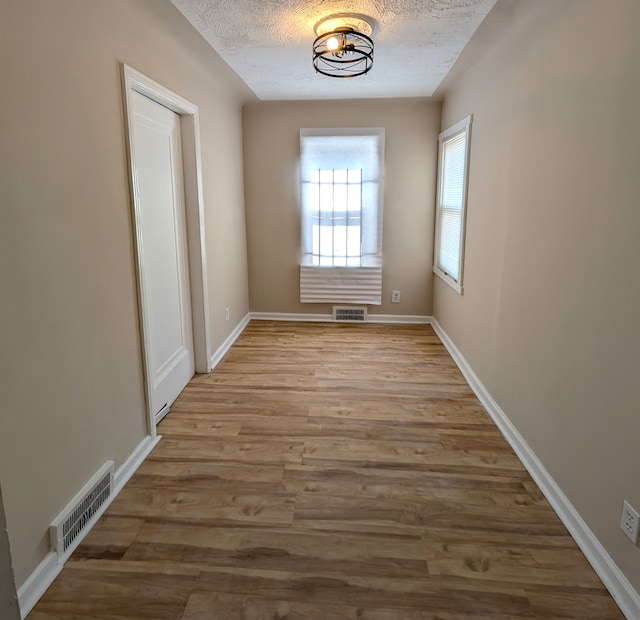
(453, 163)
(336, 217)
(341, 174)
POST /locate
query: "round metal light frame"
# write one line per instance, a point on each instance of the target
(343, 52)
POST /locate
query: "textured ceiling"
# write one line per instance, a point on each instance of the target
(268, 43)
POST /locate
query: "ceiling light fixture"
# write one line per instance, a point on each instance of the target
(343, 47)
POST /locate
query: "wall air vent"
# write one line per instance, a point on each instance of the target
(356, 314)
(81, 513)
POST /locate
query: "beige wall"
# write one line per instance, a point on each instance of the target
(549, 316)
(8, 600)
(72, 393)
(271, 154)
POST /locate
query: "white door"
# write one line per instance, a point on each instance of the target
(162, 246)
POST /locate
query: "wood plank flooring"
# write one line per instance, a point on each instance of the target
(329, 472)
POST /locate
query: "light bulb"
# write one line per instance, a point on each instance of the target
(332, 44)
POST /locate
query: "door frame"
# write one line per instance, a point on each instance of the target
(134, 81)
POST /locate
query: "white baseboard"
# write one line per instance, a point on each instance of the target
(130, 466)
(399, 319)
(36, 584)
(231, 338)
(290, 316)
(618, 585)
(328, 318)
(30, 592)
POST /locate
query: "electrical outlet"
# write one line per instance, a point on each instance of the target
(226, 313)
(629, 522)
(395, 297)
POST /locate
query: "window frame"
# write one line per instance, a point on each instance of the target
(462, 126)
(371, 212)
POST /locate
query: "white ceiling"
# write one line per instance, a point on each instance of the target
(268, 43)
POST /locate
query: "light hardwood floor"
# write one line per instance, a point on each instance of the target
(329, 471)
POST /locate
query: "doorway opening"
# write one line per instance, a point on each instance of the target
(135, 84)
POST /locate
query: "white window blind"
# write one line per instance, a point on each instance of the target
(341, 214)
(451, 203)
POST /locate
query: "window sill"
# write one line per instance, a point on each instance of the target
(445, 277)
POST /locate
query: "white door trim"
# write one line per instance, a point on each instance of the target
(134, 81)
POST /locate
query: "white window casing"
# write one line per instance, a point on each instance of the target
(451, 203)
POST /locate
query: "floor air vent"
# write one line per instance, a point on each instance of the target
(81, 511)
(350, 313)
